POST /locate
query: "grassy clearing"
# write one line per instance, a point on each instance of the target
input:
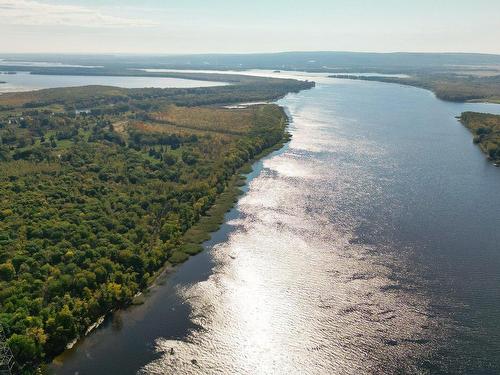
(207, 118)
(164, 128)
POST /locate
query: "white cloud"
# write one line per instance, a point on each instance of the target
(30, 12)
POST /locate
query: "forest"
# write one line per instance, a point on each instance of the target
(102, 186)
(486, 130)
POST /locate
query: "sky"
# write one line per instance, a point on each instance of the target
(245, 26)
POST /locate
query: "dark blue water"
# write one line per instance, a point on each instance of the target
(370, 244)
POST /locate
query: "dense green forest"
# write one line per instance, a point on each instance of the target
(486, 130)
(102, 186)
(447, 86)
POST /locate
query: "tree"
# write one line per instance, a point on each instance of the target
(7, 271)
(24, 348)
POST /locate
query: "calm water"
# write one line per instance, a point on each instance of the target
(23, 81)
(368, 245)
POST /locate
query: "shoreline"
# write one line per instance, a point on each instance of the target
(200, 233)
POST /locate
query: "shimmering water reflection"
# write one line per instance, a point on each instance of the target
(338, 261)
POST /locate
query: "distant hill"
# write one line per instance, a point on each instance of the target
(312, 61)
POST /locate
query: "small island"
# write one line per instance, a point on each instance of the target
(486, 130)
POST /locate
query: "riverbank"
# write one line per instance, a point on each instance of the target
(209, 223)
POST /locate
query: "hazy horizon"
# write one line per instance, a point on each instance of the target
(157, 27)
(167, 54)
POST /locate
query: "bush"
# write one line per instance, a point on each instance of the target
(178, 257)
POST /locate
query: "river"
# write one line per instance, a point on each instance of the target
(369, 244)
